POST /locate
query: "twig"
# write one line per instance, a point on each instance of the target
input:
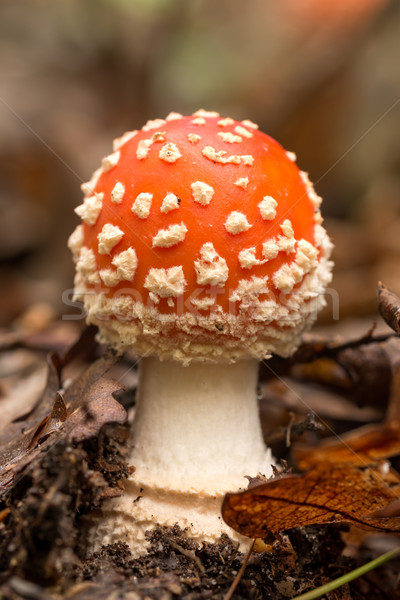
(286, 433)
(289, 429)
(239, 576)
(190, 554)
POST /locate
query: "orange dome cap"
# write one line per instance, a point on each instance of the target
(200, 239)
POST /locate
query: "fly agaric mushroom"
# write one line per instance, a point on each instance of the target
(201, 249)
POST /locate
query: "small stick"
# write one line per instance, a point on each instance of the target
(289, 429)
(239, 576)
(189, 554)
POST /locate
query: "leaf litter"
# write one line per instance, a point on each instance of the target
(324, 494)
(67, 453)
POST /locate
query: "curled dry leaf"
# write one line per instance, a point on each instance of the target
(326, 494)
(87, 405)
(389, 307)
(51, 423)
(360, 447)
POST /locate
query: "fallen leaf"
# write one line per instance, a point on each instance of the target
(325, 494)
(76, 394)
(100, 407)
(23, 378)
(389, 307)
(53, 384)
(87, 405)
(4, 514)
(360, 447)
(51, 423)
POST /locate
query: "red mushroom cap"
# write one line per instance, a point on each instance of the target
(200, 239)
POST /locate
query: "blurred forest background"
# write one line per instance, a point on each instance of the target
(321, 76)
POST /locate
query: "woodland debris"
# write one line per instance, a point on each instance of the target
(325, 494)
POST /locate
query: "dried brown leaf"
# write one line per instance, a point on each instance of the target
(75, 394)
(22, 379)
(360, 447)
(100, 407)
(325, 494)
(52, 422)
(389, 307)
(91, 405)
(4, 514)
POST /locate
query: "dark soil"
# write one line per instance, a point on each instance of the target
(42, 550)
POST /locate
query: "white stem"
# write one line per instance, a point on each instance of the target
(198, 424)
(196, 434)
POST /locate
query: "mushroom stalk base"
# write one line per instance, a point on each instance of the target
(195, 436)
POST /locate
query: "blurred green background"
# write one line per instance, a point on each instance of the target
(321, 76)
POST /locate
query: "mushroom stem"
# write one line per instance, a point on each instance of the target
(198, 425)
(196, 435)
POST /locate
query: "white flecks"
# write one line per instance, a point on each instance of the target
(121, 141)
(86, 266)
(169, 203)
(75, 240)
(248, 290)
(248, 259)
(243, 131)
(306, 256)
(173, 116)
(231, 138)
(318, 220)
(270, 249)
(154, 298)
(158, 136)
(109, 237)
(202, 192)
(286, 244)
(165, 238)
(320, 235)
(143, 148)
(306, 260)
(236, 223)
(312, 194)
(126, 263)
(111, 160)
(203, 303)
(287, 229)
(193, 138)
(109, 277)
(226, 122)
(117, 193)
(154, 124)
(165, 283)
(267, 208)
(242, 182)
(211, 268)
(170, 152)
(291, 155)
(89, 186)
(220, 157)
(198, 121)
(286, 277)
(206, 113)
(250, 124)
(89, 211)
(141, 206)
